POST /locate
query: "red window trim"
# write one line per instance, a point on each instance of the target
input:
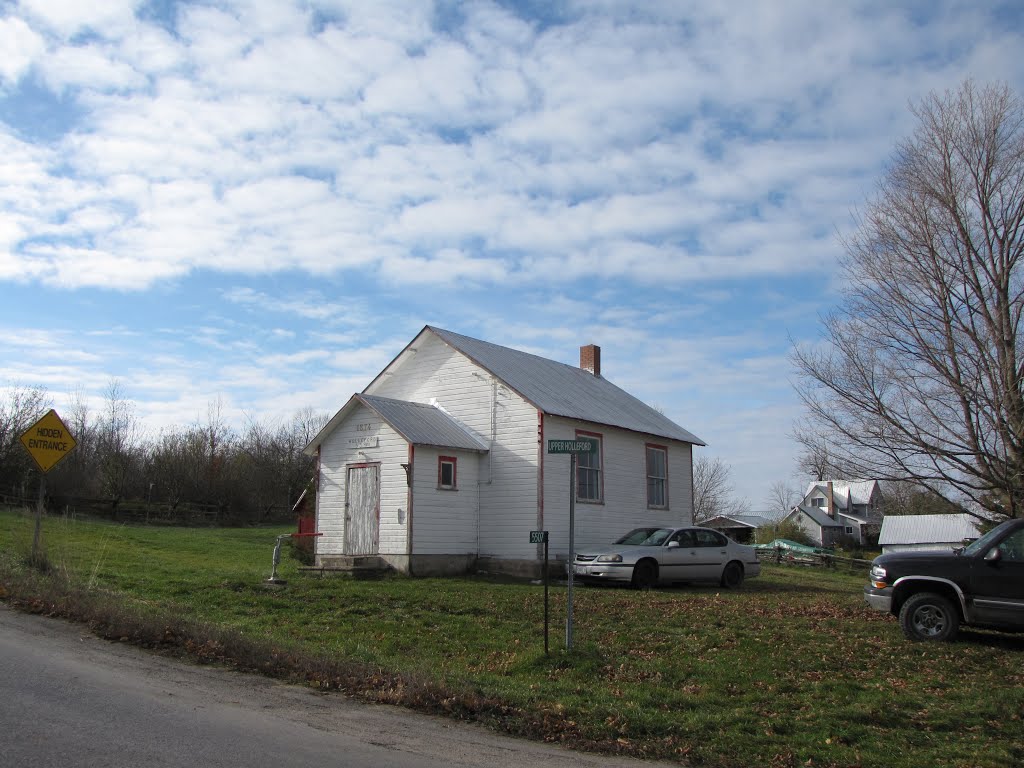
(454, 461)
(600, 468)
(647, 475)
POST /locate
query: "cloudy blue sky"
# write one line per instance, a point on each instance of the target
(262, 201)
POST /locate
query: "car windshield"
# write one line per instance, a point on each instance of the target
(636, 536)
(982, 545)
(657, 538)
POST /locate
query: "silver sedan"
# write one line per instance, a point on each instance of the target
(670, 555)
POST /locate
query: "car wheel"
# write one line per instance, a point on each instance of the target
(645, 574)
(928, 616)
(732, 576)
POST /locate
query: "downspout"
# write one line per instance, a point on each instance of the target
(479, 500)
(316, 506)
(494, 428)
(493, 436)
(540, 473)
(408, 505)
(693, 507)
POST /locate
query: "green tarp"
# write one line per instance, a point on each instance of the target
(793, 546)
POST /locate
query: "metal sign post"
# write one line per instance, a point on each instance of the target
(573, 448)
(37, 533)
(541, 537)
(47, 441)
(572, 549)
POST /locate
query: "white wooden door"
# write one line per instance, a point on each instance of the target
(362, 510)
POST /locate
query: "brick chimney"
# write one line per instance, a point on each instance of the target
(831, 502)
(590, 359)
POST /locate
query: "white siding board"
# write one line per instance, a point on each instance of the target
(445, 522)
(496, 505)
(927, 547)
(509, 500)
(508, 475)
(625, 487)
(336, 455)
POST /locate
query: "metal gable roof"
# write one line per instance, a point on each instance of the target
(750, 521)
(927, 529)
(423, 424)
(564, 390)
(417, 423)
(844, 492)
(820, 517)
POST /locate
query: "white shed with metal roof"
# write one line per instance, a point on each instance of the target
(929, 532)
(440, 464)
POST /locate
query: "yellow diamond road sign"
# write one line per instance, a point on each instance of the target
(48, 441)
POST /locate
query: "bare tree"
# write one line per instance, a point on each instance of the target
(818, 458)
(307, 423)
(77, 474)
(907, 498)
(20, 406)
(782, 497)
(713, 490)
(923, 373)
(117, 446)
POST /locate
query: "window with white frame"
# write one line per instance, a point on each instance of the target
(819, 502)
(589, 478)
(446, 473)
(657, 476)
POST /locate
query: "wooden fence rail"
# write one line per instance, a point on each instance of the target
(782, 556)
(183, 513)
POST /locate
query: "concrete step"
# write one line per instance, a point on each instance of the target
(358, 566)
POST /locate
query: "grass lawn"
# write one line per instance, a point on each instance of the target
(791, 670)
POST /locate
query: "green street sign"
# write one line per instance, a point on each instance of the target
(580, 445)
(538, 537)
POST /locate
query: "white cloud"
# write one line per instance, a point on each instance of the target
(359, 168)
(88, 66)
(152, 51)
(311, 305)
(443, 267)
(606, 176)
(69, 17)
(21, 48)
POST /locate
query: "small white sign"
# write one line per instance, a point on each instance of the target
(362, 442)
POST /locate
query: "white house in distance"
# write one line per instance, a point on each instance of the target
(440, 464)
(833, 510)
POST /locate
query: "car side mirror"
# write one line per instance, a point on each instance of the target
(993, 555)
(673, 544)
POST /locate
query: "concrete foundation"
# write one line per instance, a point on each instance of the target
(522, 569)
(442, 565)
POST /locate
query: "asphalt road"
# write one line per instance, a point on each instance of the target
(70, 699)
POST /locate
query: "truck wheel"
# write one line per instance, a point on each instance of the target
(928, 616)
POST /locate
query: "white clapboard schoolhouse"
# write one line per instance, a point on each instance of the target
(440, 465)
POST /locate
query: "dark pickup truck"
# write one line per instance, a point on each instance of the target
(933, 593)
